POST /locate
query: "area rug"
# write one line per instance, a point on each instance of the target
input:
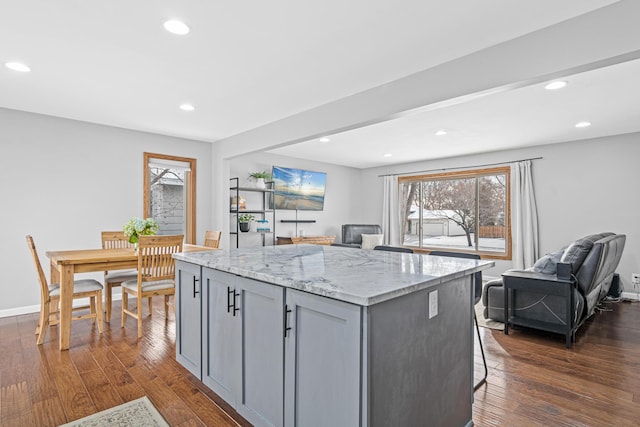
(486, 323)
(137, 413)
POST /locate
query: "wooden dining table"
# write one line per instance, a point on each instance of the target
(65, 264)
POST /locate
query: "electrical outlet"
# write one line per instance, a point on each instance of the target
(433, 304)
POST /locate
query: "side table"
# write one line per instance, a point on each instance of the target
(314, 240)
(544, 284)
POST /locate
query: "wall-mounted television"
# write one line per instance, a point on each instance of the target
(298, 189)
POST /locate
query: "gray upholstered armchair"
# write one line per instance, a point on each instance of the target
(352, 234)
(542, 298)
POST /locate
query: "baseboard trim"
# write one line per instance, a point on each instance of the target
(630, 296)
(29, 309)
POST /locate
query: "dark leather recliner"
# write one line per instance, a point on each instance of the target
(352, 234)
(593, 261)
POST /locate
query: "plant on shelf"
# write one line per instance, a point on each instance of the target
(244, 220)
(137, 227)
(260, 177)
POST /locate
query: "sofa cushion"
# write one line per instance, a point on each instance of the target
(351, 233)
(370, 241)
(548, 264)
(576, 253)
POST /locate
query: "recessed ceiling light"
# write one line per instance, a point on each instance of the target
(583, 124)
(176, 27)
(17, 66)
(388, 155)
(440, 132)
(324, 139)
(187, 107)
(558, 84)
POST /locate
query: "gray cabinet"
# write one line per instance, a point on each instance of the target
(188, 323)
(287, 358)
(220, 334)
(243, 348)
(322, 361)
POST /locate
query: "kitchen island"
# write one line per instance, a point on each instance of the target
(308, 335)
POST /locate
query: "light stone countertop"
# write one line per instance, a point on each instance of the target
(362, 277)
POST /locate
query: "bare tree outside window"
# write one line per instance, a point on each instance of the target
(167, 199)
(464, 211)
(169, 193)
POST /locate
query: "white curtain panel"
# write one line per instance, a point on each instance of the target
(391, 212)
(525, 216)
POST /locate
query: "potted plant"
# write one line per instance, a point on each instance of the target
(259, 178)
(245, 221)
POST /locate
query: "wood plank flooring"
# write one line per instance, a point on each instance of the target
(533, 379)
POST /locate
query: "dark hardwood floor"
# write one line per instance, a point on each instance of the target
(533, 379)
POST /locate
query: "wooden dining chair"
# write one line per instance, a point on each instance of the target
(156, 274)
(212, 239)
(114, 278)
(50, 298)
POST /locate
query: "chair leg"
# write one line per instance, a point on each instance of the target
(139, 308)
(484, 360)
(107, 300)
(44, 323)
(99, 312)
(125, 306)
(92, 309)
(54, 309)
(150, 305)
(166, 306)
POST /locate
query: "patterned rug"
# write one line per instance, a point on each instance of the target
(486, 323)
(137, 413)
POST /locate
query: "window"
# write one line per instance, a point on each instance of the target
(170, 193)
(460, 211)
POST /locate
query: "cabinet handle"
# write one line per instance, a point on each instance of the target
(235, 307)
(195, 292)
(287, 328)
(229, 305)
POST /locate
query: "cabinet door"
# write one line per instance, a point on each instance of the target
(188, 317)
(322, 362)
(222, 353)
(261, 389)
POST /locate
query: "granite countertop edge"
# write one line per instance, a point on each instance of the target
(349, 293)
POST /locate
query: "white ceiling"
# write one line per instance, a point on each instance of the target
(606, 97)
(246, 64)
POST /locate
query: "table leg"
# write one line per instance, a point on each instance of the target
(66, 301)
(54, 277)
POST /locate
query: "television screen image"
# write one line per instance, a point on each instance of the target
(298, 189)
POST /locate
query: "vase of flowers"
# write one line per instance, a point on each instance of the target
(137, 227)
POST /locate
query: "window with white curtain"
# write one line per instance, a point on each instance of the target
(464, 211)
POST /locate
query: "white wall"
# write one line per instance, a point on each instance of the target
(64, 181)
(581, 188)
(342, 197)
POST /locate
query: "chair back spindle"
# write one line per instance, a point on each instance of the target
(115, 240)
(155, 260)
